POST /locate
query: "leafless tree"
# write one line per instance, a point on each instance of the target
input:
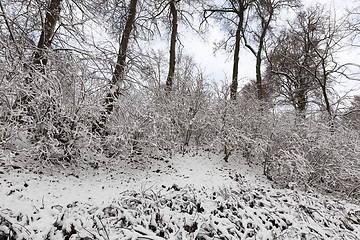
(287, 64)
(118, 75)
(305, 60)
(180, 12)
(174, 13)
(265, 13)
(47, 33)
(331, 40)
(233, 13)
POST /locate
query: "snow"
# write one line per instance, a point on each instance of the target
(185, 196)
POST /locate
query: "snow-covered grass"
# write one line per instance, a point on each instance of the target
(191, 196)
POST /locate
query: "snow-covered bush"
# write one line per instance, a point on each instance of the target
(316, 155)
(188, 213)
(58, 114)
(48, 114)
(158, 120)
(242, 127)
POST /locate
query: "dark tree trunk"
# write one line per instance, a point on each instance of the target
(301, 99)
(39, 56)
(265, 28)
(170, 78)
(118, 75)
(259, 87)
(326, 99)
(324, 88)
(47, 34)
(303, 85)
(234, 83)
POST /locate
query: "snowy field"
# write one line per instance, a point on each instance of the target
(191, 196)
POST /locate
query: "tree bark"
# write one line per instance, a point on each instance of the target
(234, 83)
(326, 98)
(171, 75)
(39, 56)
(118, 75)
(265, 27)
(259, 88)
(47, 34)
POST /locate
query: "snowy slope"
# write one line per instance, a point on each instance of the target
(192, 196)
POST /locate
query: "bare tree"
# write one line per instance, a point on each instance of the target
(287, 64)
(174, 13)
(20, 33)
(118, 75)
(329, 42)
(233, 12)
(305, 59)
(265, 12)
(180, 12)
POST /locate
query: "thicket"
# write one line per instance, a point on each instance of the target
(53, 106)
(62, 122)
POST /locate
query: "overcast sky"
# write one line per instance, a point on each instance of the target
(219, 66)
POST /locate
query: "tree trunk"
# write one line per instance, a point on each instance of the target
(301, 99)
(234, 83)
(322, 82)
(170, 78)
(118, 75)
(47, 34)
(265, 28)
(259, 88)
(44, 44)
(326, 99)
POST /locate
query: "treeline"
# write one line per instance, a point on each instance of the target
(81, 78)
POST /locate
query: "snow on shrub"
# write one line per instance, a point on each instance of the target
(187, 213)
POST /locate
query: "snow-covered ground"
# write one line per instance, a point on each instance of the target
(191, 196)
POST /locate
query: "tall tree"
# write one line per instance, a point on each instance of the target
(305, 60)
(171, 75)
(233, 12)
(40, 55)
(287, 63)
(118, 75)
(265, 12)
(328, 43)
(157, 18)
(180, 12)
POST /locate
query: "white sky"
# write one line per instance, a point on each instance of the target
(219, 66)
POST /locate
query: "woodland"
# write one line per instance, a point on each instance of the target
(82, 78)
(85, 88)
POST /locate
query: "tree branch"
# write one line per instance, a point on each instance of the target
(9, 28)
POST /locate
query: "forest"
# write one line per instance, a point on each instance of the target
(69, 90)
(82, 79)
(86, 86)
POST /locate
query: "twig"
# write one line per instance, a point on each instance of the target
(354, 189)
(9, 28)
(103, 228)
(82, 225)
(27, 230)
